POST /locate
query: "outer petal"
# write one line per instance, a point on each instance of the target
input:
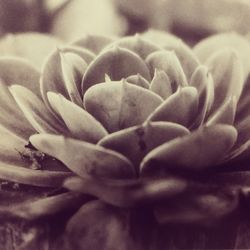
(117, 63)
(35, 111)
(32, 46)
(187, 58)
(136, 142)
(79, 122)
(213, 44)
(200, 150)
(169, 63)
(84, 158)
(120, 105)
(180, 107)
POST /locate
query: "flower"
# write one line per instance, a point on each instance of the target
(141, 132)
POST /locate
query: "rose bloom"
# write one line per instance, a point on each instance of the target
(141, 132)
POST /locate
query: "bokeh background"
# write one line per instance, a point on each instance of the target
(70, 19)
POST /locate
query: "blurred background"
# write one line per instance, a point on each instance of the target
(70, 19)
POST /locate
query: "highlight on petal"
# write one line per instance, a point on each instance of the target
(94, 43)
(120, 105)
(199, 208)
(128, 193)
(188, 60)
(228, 77)
(35, 111)
(136, 44)
(170, 64)
(32, 46)
(138, 80)
(215, 43)
(181, 107)
(200, 150)
(84, 158)
(118, 63)
(79, 122)
(225, 114)
(136, 142)
(161, 84)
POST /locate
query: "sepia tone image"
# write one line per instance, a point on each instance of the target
(124, 124)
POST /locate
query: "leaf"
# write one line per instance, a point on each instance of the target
(136, 142)
(119, 105)
(34, 47)
(213, 44)
(161, 84)
(79, 122)
(136, 44)
(35, 111)
(168, 62)
(89, 159)
(228, 77)
(181, 107)
(129, 193)
(138, 80)
(117, 63)
(200, 150)
(187, 58)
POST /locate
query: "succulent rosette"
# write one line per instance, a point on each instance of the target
(142, 131)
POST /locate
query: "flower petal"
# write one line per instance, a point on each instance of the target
(128, 193)
(228, 78)
(43, 207)
(118, 63)
(32, 46)
(161, 84)
(181, 107)
(188, 60)
(84, 158)
(138, 80)
(200, 150)
(199, 208)
(170, 64)
(215, 43)
(136, 142)
(79, 122)
(225, 114)
(35, 111)
(94, 43)
(118, 105)
(136, 44)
